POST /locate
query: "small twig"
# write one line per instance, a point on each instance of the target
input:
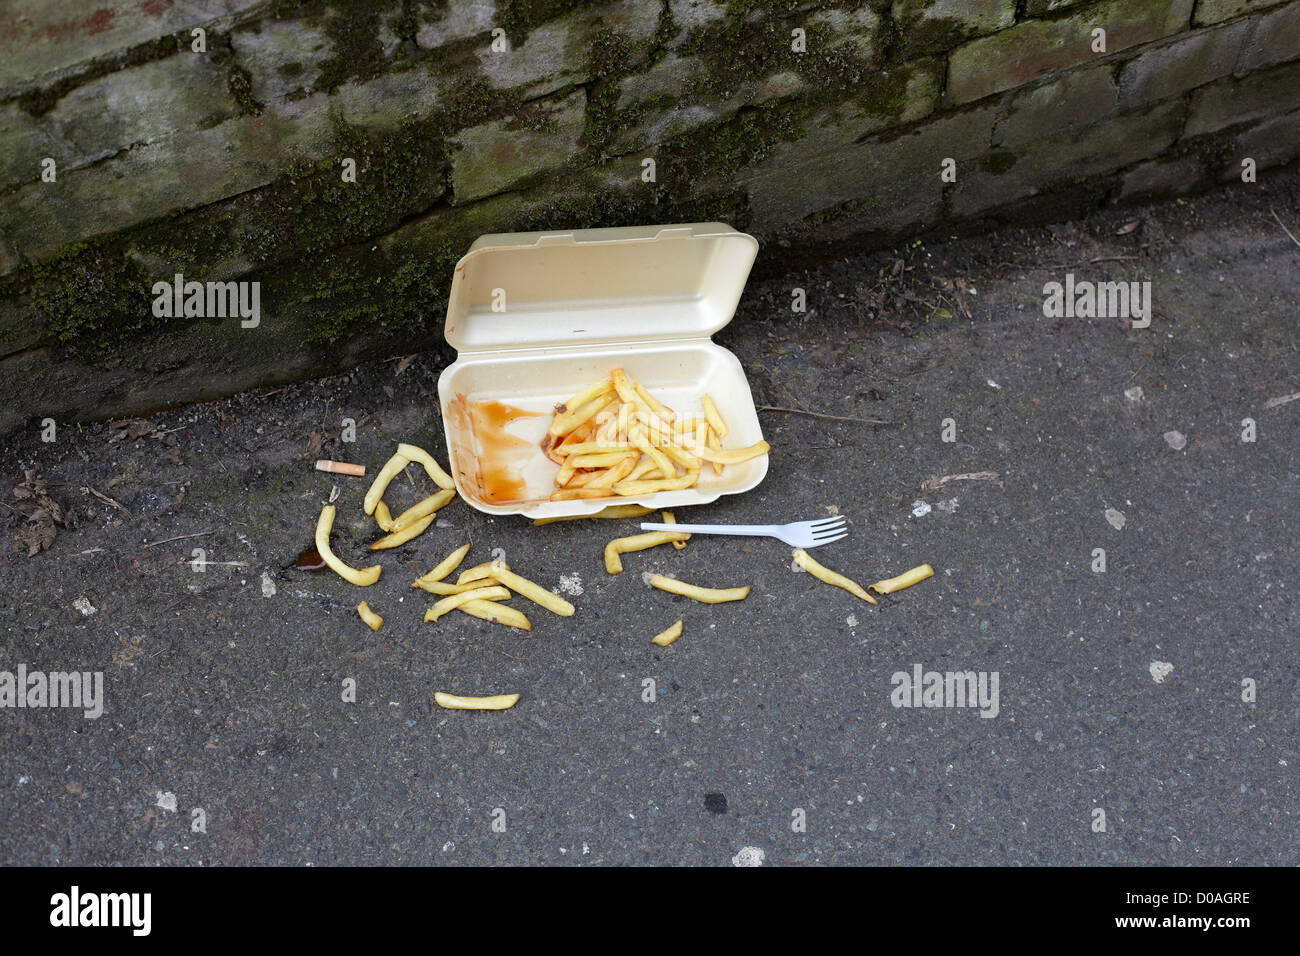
(1114, 258)
(179, 537)
(1284, 228)
(1281, 400)
(107, 500)
(834, 418)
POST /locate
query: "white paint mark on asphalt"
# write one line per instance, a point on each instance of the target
(268, 586)
(166, 801)
(920, 509)
(1116, 519)
(83, 605)
(1160, 670)
(1176, 440)
(851, 620)
(571, 584)
(749, 856)
(1134, 394)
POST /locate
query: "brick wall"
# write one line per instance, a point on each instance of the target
(809, 124)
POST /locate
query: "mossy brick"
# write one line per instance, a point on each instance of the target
(170, 175)
(853, 31)
(1188, 62)
(1245, 100)
(668, 80)
(558, 53)
(505, 153)
(389, 100)
(1216, 11)
(898, 177)
(41, 41)
(899, 97)
(140, 105)
(9, 260)
(668, 112)
(688, 16)
(1271, 142)
(1037, 8)
(25, 145)
(1162, 177)
(20, 326)
(1033, 48)
(1275, 40)
(1071, 102)
(1099, 149)
(934, 26)
(281, 56)
(456, 20)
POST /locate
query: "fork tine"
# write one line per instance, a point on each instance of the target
(818, 542)
(826, 522)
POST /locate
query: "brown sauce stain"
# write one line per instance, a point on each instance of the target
(501, 456)
(310, 560)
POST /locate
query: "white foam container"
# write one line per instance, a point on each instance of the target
(578, 304)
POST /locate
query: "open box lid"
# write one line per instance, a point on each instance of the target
(528, 290)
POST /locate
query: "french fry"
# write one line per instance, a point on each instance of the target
(637, 542)
(453, 702)
(823, 573)
(645, 468)
(670, 518)
(534, 592)
(706, 595)
(373, 620)
(444, 588)
(645, 487)
(904, 580)
(613, 511)
(602, 459)
(666, 637)
(476, 573)
(615, 474)
(734, 456)
(383, 517)
(568, 494)
(714, 417)
(681, 456)
(642, 444)
(597, 448)
(428, 506)
(595, 390)
(656, 406)
(361, 578)
(444, 567)
(431, 467)
(497, 613)
(713, 443)
(453, 601)
(567, 422)
(581, 479)
(401, 537)
(392, 468)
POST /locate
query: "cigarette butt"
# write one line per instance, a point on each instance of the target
(340, 467)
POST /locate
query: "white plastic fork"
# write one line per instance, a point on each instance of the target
(798, 534)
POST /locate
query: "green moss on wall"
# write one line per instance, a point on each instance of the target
(353, 26)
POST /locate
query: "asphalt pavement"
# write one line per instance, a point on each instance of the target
(1146, 713)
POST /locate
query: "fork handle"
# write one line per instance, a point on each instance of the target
(760, 530)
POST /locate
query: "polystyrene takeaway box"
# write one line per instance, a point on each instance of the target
(537, 316)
